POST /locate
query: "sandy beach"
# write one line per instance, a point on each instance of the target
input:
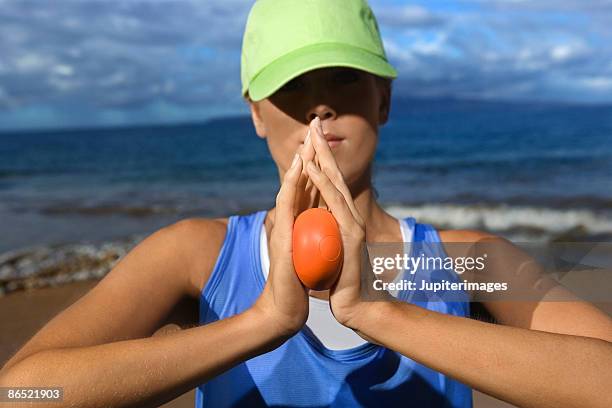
(23, 313)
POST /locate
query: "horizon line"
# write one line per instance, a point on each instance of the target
(204, 121)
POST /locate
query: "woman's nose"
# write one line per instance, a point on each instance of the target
(322, 111)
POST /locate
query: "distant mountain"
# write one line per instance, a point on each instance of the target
(400, 106)
(404, 104)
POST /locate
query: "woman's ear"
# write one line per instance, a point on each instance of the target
(260, 127)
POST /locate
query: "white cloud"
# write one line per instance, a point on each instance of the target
(520, 52)
(407, 16)
(63, 69)
(432, 46)
(31, 62)
(133, 56)
(115, 78)
(603, 84)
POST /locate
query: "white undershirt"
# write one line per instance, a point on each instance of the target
(321, 321)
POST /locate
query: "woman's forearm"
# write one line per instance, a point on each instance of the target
(145, 372)
(525, 367)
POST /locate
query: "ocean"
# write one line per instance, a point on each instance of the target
(529, 172)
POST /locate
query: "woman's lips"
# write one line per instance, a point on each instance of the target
(333, 140)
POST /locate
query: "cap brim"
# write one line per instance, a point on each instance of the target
(294, 64)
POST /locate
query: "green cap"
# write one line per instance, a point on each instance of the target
(286, 38)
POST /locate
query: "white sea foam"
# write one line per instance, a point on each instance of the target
(504, 218)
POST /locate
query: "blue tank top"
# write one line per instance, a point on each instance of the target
(302, 372)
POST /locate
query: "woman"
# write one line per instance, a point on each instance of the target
(309, 68)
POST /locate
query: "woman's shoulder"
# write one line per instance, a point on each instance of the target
(461, 243)
(201, 240)
(464, 236)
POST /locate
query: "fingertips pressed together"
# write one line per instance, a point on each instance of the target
(307, 152)
(329, 166)
(312, 197)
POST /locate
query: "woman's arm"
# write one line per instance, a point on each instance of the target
(91, 349)
(149, 371)
(535, 300)
(564, 360)
(99, 349)
(528, 368)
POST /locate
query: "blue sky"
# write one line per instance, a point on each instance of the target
(110, 62)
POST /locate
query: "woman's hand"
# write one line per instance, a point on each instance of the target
(345, 297)
(309, 196)
(284, 299)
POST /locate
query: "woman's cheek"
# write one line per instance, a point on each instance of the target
(282, 151)
(364, 153)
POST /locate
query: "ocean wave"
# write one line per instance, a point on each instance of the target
(523, 221)
(52, 265)
(55, 265)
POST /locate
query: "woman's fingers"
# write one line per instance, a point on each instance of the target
(327, 164)
(308, 193)
(285, 199)
(319, 200)
(307, 154)
(334, 199)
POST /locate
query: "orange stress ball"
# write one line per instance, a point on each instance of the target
(317, 248)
